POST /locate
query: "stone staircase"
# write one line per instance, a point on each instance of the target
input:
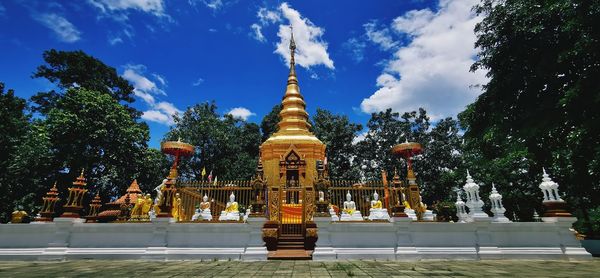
(290, 247)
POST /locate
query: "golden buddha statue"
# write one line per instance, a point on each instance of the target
(147, 206)
(136, 211)
(176, 211)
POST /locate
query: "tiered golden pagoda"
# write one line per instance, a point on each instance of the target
(47, 211)
(293, 144)
(95, 206)
(76, 194)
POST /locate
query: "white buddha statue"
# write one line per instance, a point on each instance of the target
(377, 212)
(350, 213)
(231, 212)
(205, 209)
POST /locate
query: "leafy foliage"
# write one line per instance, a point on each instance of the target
(540, 107)
(269, 122)
(225, 145)
(72, 69)
(338, 134)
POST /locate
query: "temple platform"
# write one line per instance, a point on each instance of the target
(403, 239)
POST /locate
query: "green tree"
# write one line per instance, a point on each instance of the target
(71, 69)
(337, 133)
(541, 102)
(384, 131)
(269, 122)
(24, 156)
(225, 145)
(90, 130)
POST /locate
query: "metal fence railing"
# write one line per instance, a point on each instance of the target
(192, 193)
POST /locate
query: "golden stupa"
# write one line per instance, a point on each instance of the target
(290, 155)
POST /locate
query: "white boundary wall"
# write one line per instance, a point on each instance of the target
(66, 239)
(407, 240)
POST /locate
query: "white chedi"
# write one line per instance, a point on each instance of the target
(549, 189)
(231, 212)
(350, 213)
(461, 210)
(377, 212)
(497, 208)
(474, 202)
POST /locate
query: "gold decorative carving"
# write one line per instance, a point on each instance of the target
(311, 232)
(270, 232)
(274, 205)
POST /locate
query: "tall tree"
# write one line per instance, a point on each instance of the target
(225, 145)
(91, 130)
(71, 69)
(338, 133)
(269, 123)
(24, 156)
(542, 98)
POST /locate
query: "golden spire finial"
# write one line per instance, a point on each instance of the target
(292, 77)
(54, 186)
(82, 170)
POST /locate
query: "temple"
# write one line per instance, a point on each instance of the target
(290, 209)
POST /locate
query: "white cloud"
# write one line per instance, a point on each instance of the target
(311, 49)
(432, 71)
(114, 40)
(213, 4)
(267, 17)
(157, 116)
(198, 82)
(355, 48)
(360, 137)
(379, 36)
(240, 112)
(257, 33)
(160, 79)
(62, 28)
(148, 90)
(154, 7)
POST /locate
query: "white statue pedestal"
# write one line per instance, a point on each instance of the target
(206, 215)
(379, 214)
(411, 214)
(229, 216)
(428, 215)
(355, 216)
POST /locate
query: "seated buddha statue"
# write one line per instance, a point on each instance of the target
(350, 213)
(231, 212)
(377, 212)
(205, 209)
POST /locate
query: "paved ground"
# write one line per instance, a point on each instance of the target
(99, 268)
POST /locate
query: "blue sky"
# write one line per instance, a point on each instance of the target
(354, 57)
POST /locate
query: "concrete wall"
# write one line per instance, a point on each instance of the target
(398, 240)
(407, 240)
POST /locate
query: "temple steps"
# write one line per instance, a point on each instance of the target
(290, 247)
(290, 255)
